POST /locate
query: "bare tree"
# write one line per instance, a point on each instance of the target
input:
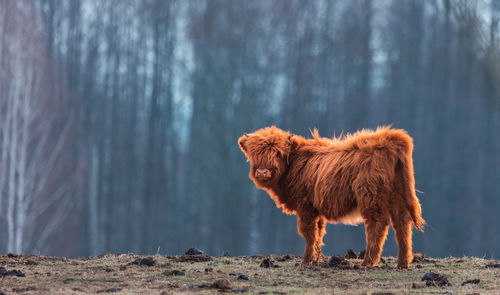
(33, 139)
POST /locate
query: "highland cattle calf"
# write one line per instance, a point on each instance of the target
(364, 177)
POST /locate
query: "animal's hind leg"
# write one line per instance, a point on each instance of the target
(402, 223)
(376, 232)
(376, 228)
(320, 234)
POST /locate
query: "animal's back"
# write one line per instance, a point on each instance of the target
(361, 163)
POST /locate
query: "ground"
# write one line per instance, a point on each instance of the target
(199, 273)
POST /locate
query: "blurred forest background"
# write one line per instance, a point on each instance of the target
(119, 118)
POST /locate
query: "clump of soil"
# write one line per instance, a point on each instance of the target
(351, 254)
(109, 290)
(25, 289)
(30, 262)
(194, 251)
(6, 273)
(362, 254)
(222, 284)
(474, 281)
(493, 265)
(175, 272)
(420, 258)
(267, 263)
(194, 255)
(286, 257)
(243, 277)
(340, 262)
(435, 279)
(148, 261)
(194, 258)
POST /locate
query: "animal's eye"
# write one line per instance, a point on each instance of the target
(248, 160)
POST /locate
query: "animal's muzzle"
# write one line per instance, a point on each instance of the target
(262, 173)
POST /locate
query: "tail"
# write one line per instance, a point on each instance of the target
(410, 196)
(404, 170)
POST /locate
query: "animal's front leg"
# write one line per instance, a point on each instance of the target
(307, 224)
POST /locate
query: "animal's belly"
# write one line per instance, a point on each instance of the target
(352, 218)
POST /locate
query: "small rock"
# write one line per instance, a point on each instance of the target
(243, 277)
(268, 262)
(474, 281)
(418, 266)
(241, 290)
(12, 255)
(351, 254)
(209, 269)
(222, 284)
(149, 261)
(226, 255)
(193, 251)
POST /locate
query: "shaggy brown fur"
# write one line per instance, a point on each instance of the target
(364, 177)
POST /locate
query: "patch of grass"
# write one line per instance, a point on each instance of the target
(218, 262)
(50, 275)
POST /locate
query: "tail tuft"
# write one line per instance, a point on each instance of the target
(418, 221)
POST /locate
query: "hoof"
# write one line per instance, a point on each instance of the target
(368, 263)
(307, 261)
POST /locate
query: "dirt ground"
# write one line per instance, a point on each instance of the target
(199, 273)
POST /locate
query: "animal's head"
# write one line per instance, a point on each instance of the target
(267, 150)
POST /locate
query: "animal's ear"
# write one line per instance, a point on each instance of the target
(241, 142)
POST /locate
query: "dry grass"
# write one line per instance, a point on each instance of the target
(50, 275)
